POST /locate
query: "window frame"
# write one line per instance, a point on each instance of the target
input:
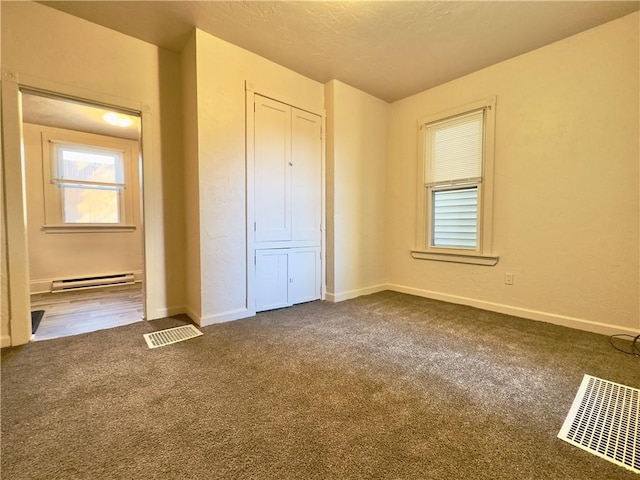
(54, 215)
(482, 254)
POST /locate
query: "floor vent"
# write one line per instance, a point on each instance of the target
(604, 420)
(171, 335)
(66, 284)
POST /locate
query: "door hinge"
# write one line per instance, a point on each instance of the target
(255, 227)
(254, 260)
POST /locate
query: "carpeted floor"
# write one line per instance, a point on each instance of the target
(386, 386)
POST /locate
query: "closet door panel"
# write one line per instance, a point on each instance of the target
(272, 279)
(304, 275)
(272, 170)
(306, 185)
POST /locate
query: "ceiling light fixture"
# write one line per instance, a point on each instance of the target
(117, 119)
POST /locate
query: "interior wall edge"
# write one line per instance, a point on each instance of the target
(224, 317)
(349, 294)
(556, 319)
(5, 341)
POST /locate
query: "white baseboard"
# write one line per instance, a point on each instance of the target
(165, 312)
(5, 341)
(562, 320)
(223, 317)
(341, 296)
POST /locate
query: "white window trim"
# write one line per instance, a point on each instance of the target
(482, 254)
(53, 202)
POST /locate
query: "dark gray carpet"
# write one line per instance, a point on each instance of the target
(387, 386)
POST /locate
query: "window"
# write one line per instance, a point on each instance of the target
(91, 181)
(455, 185)
(88, 181)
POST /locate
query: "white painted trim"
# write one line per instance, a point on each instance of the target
(455, 258)
(223, 317)
(16, 214)
(167, 312)
(5, 341)
(282, 97)
(342, 296)
(562, 320)
(250, 301)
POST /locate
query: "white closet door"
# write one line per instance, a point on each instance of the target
(304, 275)
(272, 170)
(272, 279)
(306, 194)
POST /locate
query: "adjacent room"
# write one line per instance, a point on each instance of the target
(83, 216)
(405, 237)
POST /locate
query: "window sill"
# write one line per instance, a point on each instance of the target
(486, 260)
(88, 228)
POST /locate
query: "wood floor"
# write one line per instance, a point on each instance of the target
(82, 311)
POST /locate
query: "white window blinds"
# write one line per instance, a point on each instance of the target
(454, 149)
(455, 218)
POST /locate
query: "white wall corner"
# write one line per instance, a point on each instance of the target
(349, 294)
(159, 313)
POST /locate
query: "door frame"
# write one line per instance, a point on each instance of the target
(15, 187)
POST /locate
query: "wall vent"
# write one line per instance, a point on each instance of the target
(66, 284)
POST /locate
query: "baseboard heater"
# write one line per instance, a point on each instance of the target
(91, 282)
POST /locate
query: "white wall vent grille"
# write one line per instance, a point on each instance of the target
(91, 282)
(171, 335)
(604, 420)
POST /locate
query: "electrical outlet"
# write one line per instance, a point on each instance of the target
(508, 278)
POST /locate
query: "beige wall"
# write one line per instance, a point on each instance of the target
(73, 254)
(191, 178)
(356, 184)
(566, 184)
(42, 44)
(222, 69)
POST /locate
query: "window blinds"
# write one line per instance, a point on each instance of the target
(455, 218)
(454, 149)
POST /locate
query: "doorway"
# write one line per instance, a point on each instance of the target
(83, 184)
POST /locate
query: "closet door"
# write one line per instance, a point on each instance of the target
(306, 185)
(304, 275)
(272, 170)
(272, 279)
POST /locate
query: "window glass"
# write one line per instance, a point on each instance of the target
(89, 165)
(90, 204)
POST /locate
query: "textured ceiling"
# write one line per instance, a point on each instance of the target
(390, 49)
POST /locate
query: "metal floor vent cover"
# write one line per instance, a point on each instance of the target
(171, 335)
(604, 420)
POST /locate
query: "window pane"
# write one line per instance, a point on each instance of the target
(455, 218)
(90, 205)
(90, 165)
